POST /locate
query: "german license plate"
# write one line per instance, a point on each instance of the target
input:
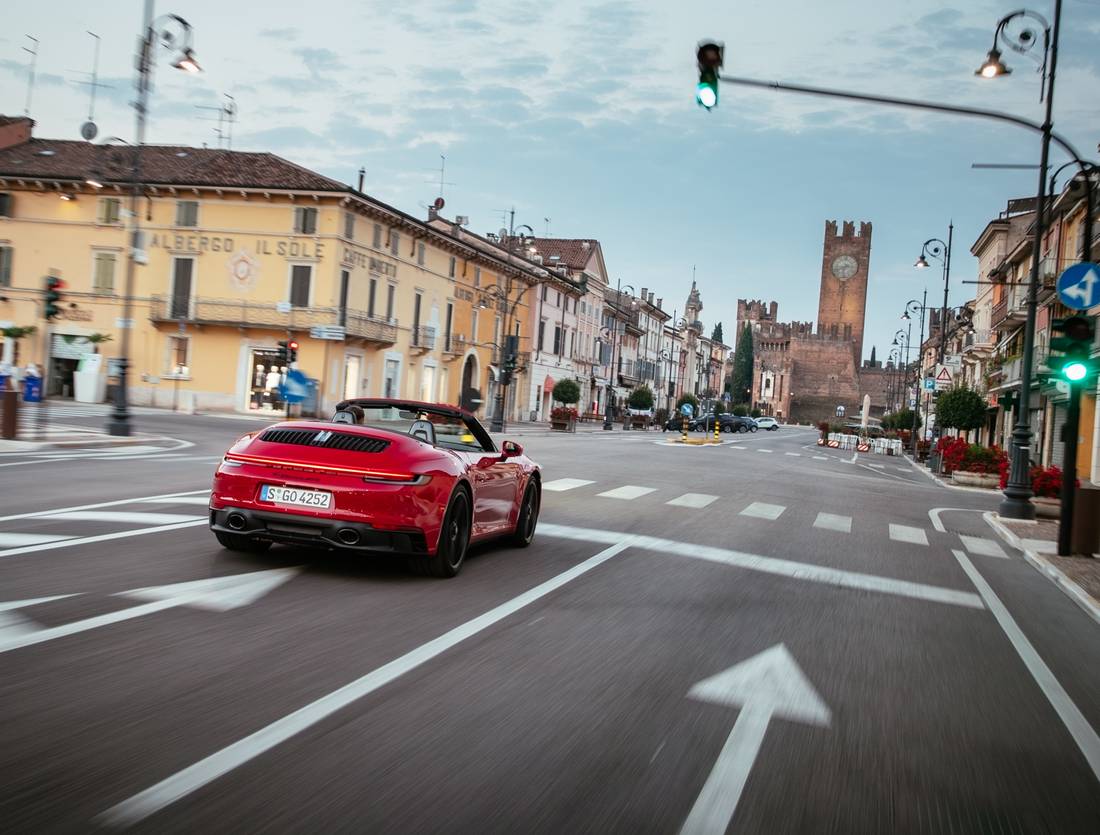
(296, 496)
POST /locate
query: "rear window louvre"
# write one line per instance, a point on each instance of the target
(335, 440)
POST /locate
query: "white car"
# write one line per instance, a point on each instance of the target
(769, 423)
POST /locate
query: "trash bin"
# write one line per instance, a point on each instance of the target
(1085, 536)
(32, 389)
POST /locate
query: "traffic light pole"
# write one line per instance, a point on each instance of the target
(1069, 470)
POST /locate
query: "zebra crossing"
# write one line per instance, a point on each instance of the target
(768, 512)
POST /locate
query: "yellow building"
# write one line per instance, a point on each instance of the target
(239, 251)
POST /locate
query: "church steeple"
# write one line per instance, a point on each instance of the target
(872, 356)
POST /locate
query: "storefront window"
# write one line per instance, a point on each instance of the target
(266, 375)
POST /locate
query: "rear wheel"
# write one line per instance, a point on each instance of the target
(742, 428)
(528, 517)
(454, 537)
(244, 544)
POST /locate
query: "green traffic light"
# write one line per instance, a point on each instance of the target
(706, 95)
(1075, 371)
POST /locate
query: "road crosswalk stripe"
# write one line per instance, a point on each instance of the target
(905, 533)
(561, 484)
(763, 510)
(833, 522)
(14, 540)
(878, 466)
(985, 547)
(627, 491)
(117, 516)
(821, 458)
(795, 454)
(763, 450)
(694, 500)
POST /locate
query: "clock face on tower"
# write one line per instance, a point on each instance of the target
(844, 267)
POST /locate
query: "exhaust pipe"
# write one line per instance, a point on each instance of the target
(235, 521)
(348, 536)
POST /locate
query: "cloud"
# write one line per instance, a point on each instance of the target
(283, 138)
(284, 34)
(320, 60)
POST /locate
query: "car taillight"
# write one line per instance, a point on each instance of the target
(389, 478)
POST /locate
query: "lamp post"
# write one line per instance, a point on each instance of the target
(911, 307)
(172, 32)
(1017, 493)
(614, 335)
(937, 249)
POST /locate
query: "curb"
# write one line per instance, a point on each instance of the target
(93, 443)
(1041, 564)
(937, 480)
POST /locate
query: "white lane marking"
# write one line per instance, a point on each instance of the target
(794, 454)
(627, 492)
(833, 522)
(1078, 727)
(985, 547)
(763, 510)
(902, 469)
(854, 458)
(821, 458)
(877, 466)
(115, 516)
(904, 533)
(561, 484)
(205, 771)
(114, 503)
(695, 500)
(773, 565)
(105, 537)
(1040, 546)
(14, 626)
(734, 446)
(14, 540)
(763, 450)
(196, 500)
(934, 515)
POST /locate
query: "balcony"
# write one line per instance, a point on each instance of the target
(240, 313)
(978, 343)
(423, 339)
(997, 315)
(1017, 306)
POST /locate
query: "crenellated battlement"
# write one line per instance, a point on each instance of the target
(848, 229)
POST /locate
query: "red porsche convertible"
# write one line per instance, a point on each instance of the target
(385, 476)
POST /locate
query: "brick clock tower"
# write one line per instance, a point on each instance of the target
(842, 304)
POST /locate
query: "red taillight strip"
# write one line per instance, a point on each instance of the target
(272, 462)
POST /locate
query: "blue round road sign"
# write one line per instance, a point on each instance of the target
(1079, 286)
(686, 410)
(295, 388)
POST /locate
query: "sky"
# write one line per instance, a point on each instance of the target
(581, 116)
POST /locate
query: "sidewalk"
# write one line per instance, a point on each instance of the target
(52, 436)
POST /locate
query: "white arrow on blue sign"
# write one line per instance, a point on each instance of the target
(1079, 286)
(295, 388)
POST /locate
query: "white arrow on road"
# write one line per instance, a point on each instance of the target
(215, 594)
(767, 685)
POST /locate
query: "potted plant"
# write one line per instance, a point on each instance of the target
(1046, 484)
(640, 400)
(564, 418)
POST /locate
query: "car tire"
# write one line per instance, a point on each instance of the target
(454, 539)
(243, 544)
(528, 517)
(742, 428)
(753, 428)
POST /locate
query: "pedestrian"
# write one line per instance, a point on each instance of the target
(358, 413)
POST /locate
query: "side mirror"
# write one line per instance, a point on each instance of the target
(510, 449)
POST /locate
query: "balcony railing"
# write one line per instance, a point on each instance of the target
(423, 336)
(998, 313)
(978, 341)
(269, 315)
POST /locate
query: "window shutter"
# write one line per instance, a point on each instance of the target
(300, 275)
(5, 266)
(104, 279)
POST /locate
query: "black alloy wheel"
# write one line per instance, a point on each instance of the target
(454, 539)
(528, 517)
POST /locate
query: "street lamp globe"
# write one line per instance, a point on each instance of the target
(993, 66)
(187, 62)
(921, 263)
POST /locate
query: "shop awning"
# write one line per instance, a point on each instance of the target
(548, 384)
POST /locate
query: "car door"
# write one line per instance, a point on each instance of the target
(496, 483)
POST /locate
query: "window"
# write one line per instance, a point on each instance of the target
(305, 220)
(557, 340)
(451, 268)
(182, 272)
(572, 341)
(300, 275)
(545, 292)
(542, 334)
(377, 240)
(178, 359)
(420, 254)
(473, 325)
(395, 243)
(187, 213)
(103, 272)
(447, 332)
(417, 300)
(109, 211)
(390, 378)
(372, 291)
(349, 226)
(345, 280)
(6, 253)
(477, 276)
(389, 302)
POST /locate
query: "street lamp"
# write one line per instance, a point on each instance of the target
(911, 307)
(940, 251)
(1017, 493)
(613, 331)
(171, 32)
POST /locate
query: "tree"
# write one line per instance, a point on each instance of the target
(716, 334)
(901, 419)
(641, 398)
(960, 408)
(741, 411)
(567, 391)
(741, 379)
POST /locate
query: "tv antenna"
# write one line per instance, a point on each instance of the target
(227, 115)
(33, 52)
(547, 221)
(442, 174)
(89, 130)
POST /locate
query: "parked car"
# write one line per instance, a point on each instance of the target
(768, 423)
(727, 423)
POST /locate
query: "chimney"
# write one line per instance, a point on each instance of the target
(659, 303)
(651, 294)
(362, 174)
(645, 295)
(15, 131)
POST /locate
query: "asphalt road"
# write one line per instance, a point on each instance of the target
(873, 658)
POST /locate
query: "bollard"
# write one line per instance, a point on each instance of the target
(717, 427)
(685, 436)
(9, 421)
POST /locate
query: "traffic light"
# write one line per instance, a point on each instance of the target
(292, 352)
(1075, 345)
(54, 286)
(709, 57)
